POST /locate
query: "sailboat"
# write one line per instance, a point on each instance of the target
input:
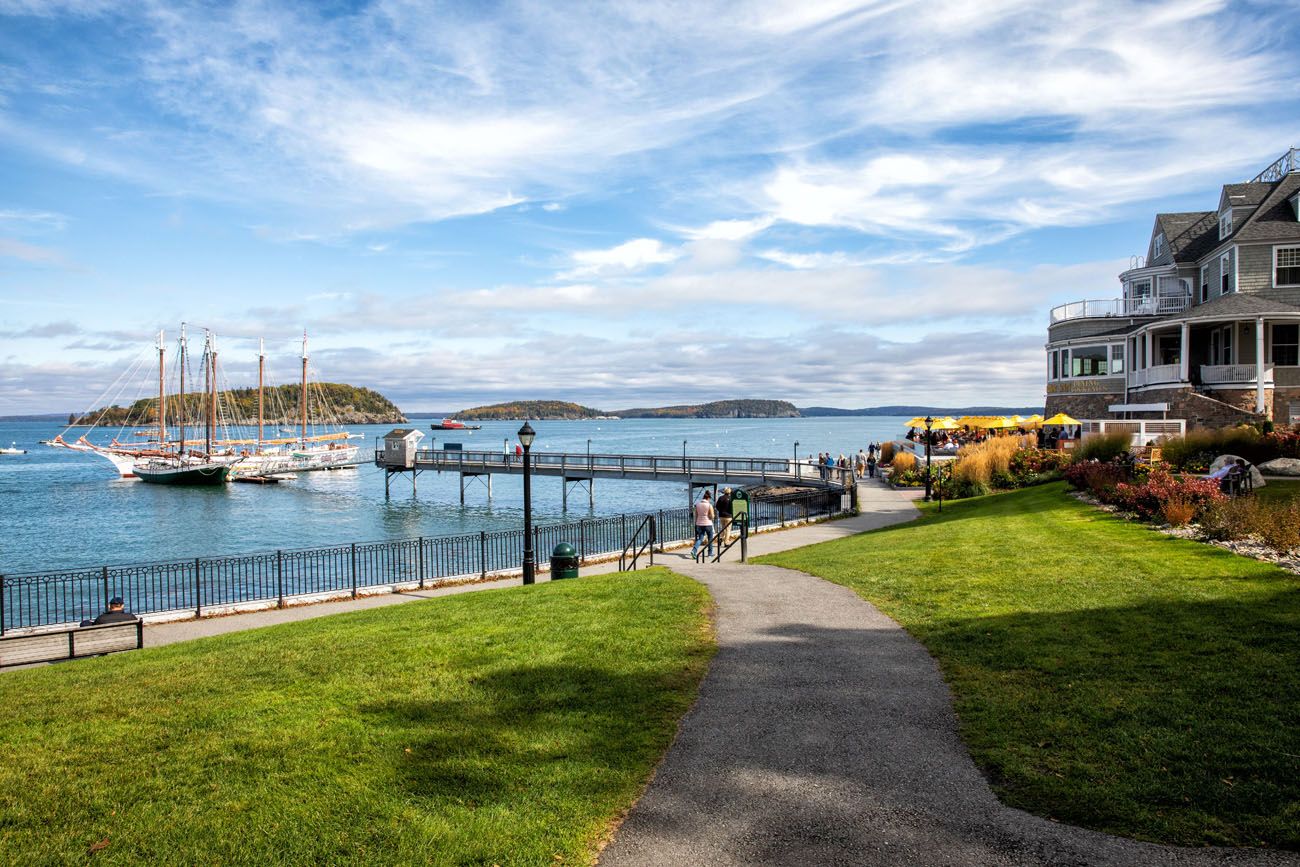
(185, 468)
(248, 454)
(303, 453)
(13, 450)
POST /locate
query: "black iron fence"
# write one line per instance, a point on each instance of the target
(193, 585)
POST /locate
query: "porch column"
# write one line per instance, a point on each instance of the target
(1147, 359)
(1184, 351)
(1259, 365)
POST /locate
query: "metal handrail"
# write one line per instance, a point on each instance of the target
(630, 545)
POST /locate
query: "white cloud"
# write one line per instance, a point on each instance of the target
(626, 258)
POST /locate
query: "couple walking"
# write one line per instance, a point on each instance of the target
(705, 513)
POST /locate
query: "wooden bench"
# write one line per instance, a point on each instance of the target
(71, 643)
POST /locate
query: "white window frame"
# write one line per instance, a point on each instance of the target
(1205, 282)
(1273, 344)
(1158, 246)
(1225, 223)
(1275, 251)
(1225, 259)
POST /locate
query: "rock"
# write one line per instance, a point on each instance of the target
(1282, 467)
(1223, 460)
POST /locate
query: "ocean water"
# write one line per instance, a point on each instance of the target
(62, 509)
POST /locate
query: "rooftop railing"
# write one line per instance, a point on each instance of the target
(1281, 167)
(1160, 305)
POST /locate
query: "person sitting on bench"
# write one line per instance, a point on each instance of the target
(116, 613)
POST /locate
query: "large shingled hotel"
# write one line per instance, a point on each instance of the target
(1207, 330)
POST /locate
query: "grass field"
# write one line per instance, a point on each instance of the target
(1104, 674)
(1279, 489)
(505, 727)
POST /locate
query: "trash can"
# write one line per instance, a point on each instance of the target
(564, 562)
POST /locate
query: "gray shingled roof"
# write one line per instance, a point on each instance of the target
(1189, 234)
(1245, 195)
(1273, 220)
(1236, 305)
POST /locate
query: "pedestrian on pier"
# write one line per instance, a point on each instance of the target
(704, 515)
(871, 466)
(860, 466)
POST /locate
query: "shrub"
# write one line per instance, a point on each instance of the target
(903, 462)
(1096, 478)
(1038, 461)
(1178, 510)
(1102, 447)
(1148, 498)
(1195, 451)
(886, 453)
(979, 462)
(1278, 525)
(1227, 519)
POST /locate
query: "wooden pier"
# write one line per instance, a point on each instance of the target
(579, 471)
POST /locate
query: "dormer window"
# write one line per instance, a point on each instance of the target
(1295, 205)
(1225, 224)
(1158, 246)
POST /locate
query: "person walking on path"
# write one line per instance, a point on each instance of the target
(724, 518)
(871, 466)
(704, 515)
(860, 465)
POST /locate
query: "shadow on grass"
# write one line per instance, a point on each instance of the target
(1151, 721)
(521, 729)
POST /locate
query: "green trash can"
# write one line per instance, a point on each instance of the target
(564, 562)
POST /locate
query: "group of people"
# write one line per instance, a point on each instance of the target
(862, 465)
(712, 522)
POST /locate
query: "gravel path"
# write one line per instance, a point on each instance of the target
(824, 734)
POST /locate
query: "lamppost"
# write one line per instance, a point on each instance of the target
(526, 434)
(928, 421)
(588, 453)
(796, 460)
(683, 455)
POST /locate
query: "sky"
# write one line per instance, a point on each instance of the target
(620, 204)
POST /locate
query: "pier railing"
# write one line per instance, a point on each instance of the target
(222, 584)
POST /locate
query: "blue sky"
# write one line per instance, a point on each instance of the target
(619, 204)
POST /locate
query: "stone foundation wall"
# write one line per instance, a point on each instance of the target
(1202, 411)
(1082, 406)
(1226, 408)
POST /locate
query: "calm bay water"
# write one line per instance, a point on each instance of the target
(62, 509)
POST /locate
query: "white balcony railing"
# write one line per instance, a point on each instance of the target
(1159, 305)
(1155, 375)
(1227, 374)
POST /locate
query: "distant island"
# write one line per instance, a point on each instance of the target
(559, 410)
(344, 404)
(543, 410)
(717, 409)
(813, 411)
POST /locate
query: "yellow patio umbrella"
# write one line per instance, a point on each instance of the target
(1032, 422)
(1061, 419)
(918, 421)
(945, 424)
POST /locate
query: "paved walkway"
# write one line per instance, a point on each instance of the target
(824, 734)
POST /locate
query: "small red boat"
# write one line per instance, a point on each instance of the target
(452, 424)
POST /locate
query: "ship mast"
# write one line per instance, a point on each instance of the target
(180, 449)
(162, 391)
(208, 386)
(261, 367)
(304, 387)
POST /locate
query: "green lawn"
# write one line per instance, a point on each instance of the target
(1280, 490)
(1104, 674)
(506, 727)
